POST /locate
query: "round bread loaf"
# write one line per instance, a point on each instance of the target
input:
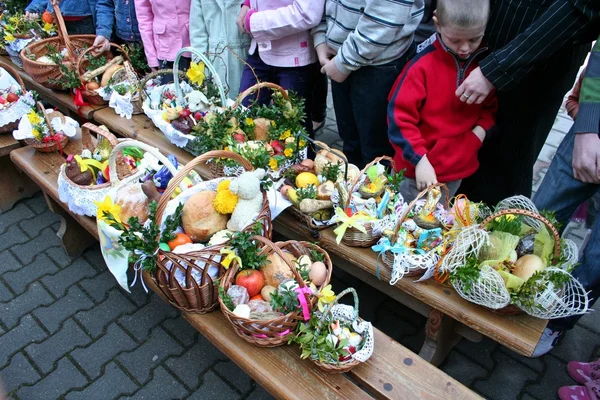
(133, 202)
(199, 218)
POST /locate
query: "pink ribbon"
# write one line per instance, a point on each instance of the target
(302, 299)
(263, 336)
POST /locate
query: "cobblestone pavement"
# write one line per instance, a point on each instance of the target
(68, 331)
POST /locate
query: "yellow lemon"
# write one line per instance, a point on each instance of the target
(306, 178)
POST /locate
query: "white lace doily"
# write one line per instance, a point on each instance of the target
(345, 313)
(17, 110)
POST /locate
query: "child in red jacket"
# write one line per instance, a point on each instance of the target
(435, 135)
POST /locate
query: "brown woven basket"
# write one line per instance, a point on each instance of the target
(512, 309)
(193, 296)
(58, 141)
(273, 332)
(3, 51)
(353, 237)
(8, 128)
(47, 74)
(388, 258)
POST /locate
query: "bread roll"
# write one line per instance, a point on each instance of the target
(133, 202)
(199, 218)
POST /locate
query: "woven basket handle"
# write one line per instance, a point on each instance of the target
(270, 245)
(256, 87)
(530, 214)
(47, 118)
(215, 76)
(442, 187)
(12, 72)
(362, 172)
(86, 137)
(62, 30)
(78, 66)
(156, 74)
(336, 152)
(327, 311)
(178, 178)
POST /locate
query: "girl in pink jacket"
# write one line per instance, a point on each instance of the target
(281, 50)
(165, 29)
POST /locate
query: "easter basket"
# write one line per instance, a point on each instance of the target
(407, 260)
(276, 331)
(82, 198)
(487, 264)
(52, 127)
(47, 74)
(12, 112)
(188, 280)
(117, 74)
(336, 314)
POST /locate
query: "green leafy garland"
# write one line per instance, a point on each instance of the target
(249, 250)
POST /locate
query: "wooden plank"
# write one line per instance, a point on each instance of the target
(394, 372)
(14, 185)
(8, 143)
(280, 370)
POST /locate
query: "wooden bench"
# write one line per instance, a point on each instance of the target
(393, 372)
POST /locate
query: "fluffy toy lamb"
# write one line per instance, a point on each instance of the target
(250, 198)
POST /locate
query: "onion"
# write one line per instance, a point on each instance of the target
(527, 265)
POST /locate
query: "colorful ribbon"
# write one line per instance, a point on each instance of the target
(231, 256)
(302, 291)
(55, 138)
(77, 96)
(88, 163)
(356, 221)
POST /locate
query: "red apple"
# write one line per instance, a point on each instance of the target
(252, 280)
(11, 98)
(198, 116)
(277, 146)
(239, 137)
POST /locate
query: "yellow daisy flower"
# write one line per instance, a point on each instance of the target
(48, 28)
(196, 73)
(33, 117)
(36, 134)
(9, 38)
(106, 208)
(285, 135)
(273, 163)
(249, 121)
(302, 143)
(288, 152)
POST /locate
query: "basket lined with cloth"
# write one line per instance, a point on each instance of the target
(15, 100)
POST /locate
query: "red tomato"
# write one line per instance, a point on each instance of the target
(11, 97)
(180, 238)
(252, 280)
(257, 297)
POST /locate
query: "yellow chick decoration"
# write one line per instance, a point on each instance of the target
(225, 201)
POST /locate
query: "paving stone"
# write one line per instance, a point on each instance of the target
(464, 370)
(8, 262)
(67, 277)
(26, 332)
(34, 226)
(11, 239)
(36, 203)
(18, 213)
(555, 375)
(18, 372)
(110, 385)
(202, 355)
(96, 319)
(148, 317)
(214, 387)
(53, 315)
(93, 256)
(536, 364)
(93, 357)
(99, 286)
(26, 252)
(234, 375)
(58, 255)
(162, 386)
(36, 296)
(41, 266)
(5, 294)
(182, 330)
(577, 344)
(151, 353)
(259, 393)
(64, 377)
(393, 325)
(480, 352)
(506, 379)
(46, 353)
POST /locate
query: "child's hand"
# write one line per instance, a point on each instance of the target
(479, 132)
(102, 44)
(332, 71)
(324, 53)
(241, 19)
(31, 16)
(425, 174)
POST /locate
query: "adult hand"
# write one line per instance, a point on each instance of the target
(101, 45)
(425, 174)
(324, 53)
(241, 19)
(31, 16)
(332, 71)
(475, 88)
(586, 157)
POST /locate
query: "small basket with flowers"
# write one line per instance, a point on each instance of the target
(18, 31)
(46, 131)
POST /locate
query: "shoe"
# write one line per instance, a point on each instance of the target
(584, 372)
(574, 393)
(547, 342)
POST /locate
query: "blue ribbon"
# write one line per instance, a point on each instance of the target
(385, 245)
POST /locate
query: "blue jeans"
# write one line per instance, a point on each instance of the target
(562, 193)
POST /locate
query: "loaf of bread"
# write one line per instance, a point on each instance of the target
(133, 202)
(199, 218)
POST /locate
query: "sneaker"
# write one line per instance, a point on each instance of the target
(574, 393)
(584, 372)
(547, 342)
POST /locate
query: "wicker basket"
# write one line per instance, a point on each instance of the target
(335, 366)
(47, 74)
(10, 70)
(272, 332)
(197, 297)
(353, 237)
(55, 141)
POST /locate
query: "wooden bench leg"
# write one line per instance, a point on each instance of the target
(440, 337)
(14, 185)
(74, 238)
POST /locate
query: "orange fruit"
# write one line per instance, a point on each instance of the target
(47, 17)
(180, 238)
